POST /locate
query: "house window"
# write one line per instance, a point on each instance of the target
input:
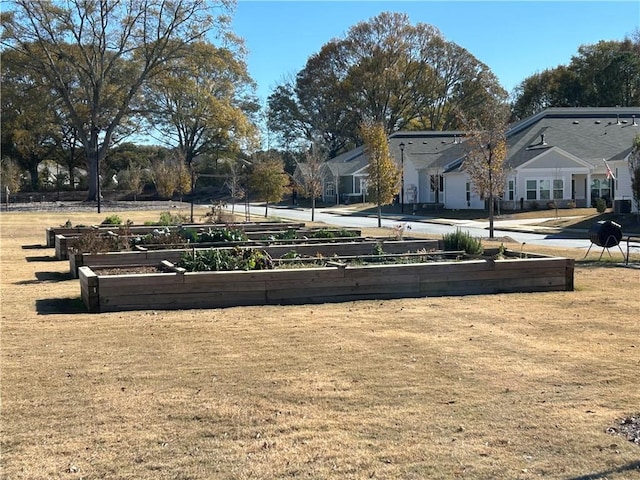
(532, 189)
(330, 189)
(600, 189)
(468, 193)
(545, 189)
(558, 189)
(511, 190)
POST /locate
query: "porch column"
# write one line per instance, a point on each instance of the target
(587, 194)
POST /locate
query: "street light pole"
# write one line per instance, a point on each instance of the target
(402, 177)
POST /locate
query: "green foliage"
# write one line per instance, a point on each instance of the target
(216, 259)
(291, 254)
(327, 233)
(268, 181)
(383, 175)
(112, 220)
(407, 76)
(221, 235)
(462, 240)
(168, 218)
(601, 205)
(378, 249)
(288, 234)
(599, 75)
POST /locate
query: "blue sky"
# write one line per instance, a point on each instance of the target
(514, 38)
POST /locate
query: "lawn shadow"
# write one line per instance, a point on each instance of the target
(36, 246)
(44, 277)
(604, 474)
(42, 258)
(58, 306)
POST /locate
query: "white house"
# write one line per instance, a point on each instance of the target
(559, 154)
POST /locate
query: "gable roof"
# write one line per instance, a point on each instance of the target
(347, 163)
(428, 149)
(590, 134)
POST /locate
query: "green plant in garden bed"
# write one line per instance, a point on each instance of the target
(460, 240)
(162, 236)
(216, 259)
(326, 233)
(222, 235)
(288, 234)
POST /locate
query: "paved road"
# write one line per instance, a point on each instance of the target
(502, 228)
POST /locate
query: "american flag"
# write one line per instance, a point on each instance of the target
(609, 172)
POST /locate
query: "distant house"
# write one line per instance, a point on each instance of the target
(559, 154)
(562, 154)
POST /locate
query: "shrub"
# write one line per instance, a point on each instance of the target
(168, 218)
(571, 204)
(112, 220)
(460, 240)
(534, 205)
(601, 205)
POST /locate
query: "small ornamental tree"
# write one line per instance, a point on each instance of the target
(309, 175)
(634, 170)
(384, 176)
(268, 181)
(486, 154)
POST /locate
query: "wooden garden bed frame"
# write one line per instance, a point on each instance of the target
(63, 243)
(51, 232)
(184, 290)
(342, 246)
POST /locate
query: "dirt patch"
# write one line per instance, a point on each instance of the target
(128, 270)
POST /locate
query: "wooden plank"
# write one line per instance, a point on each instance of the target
(89, 289)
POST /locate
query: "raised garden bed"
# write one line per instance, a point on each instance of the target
(325, 247)
(51, 232)
(181, 290)
(65, 244)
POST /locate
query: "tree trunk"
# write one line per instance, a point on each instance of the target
(266, 209)
(33, 176)
(313, 208)
(490, 215)
(379, 216)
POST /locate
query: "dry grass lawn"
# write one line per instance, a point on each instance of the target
(515, 386)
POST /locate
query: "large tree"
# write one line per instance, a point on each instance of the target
(97, 54)
(604, 74)
(383, 174)
(30, 132)
(203, 103)
(386, 71)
